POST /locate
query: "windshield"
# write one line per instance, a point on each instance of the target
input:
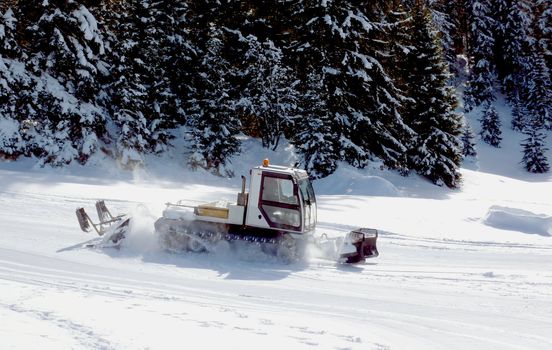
(309, 202)
(307, 191)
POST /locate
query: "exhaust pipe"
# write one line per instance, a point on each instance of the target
(242, 196)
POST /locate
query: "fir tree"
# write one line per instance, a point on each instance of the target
(124, 96)
(144, 104)
(10, 137)
(65, 42)
(544, 26)
(63, 50)
(51, 131)
(341, 40)
(314, 139)
(490, 126)
(9, 48)
(512, 41)
(130, 90)
(400, 44)
(538, 89)
(341, 80)
(214, 124)
(468, 141)
(163, 49)
(11, 142)
(16, 92)
(447, 18)
(437, 152)
(457, 16)
(269, 92)
(480, 86)
(180, 54)
(519, 113)
(534, 158)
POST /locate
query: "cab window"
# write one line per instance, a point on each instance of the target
(279, 190)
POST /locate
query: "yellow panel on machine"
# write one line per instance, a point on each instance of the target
(211, 210)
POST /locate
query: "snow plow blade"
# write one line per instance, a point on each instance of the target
(111, 228)
(359, 245)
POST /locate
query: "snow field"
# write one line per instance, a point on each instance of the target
(445, 278)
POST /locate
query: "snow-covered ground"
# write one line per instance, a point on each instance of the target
(460, 269)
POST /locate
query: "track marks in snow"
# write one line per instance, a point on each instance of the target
(84, 335)
(437, 244)
(463, 292)
(124, 295)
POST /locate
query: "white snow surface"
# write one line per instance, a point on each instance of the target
(519, 220)
(458, 269)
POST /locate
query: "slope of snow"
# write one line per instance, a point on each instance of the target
(457, 268)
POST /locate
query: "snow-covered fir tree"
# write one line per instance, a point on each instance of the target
(512, 35)
(9, 48)
(436, 153)
(519, 113)
(542, 11)
(130, 87)
(17, 89)
(51, 131)
(468, 141)
(521, 51)
(447, 19)
(534, 148)
(214, 123)
(144, 105)
(180, 60)
(314, 139)
(490, 126)
(65, 42)
(334, 78)
(341, 40)
(400, 44)
(480, 85)
(63, 50)
(12, 137)
(538, 86)
(158, 57)
(269, 92)
(163, 48)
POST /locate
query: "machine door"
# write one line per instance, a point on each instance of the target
(279, 202)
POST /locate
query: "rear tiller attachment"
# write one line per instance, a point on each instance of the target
(362, 243)
(112, 228)
(356, 246)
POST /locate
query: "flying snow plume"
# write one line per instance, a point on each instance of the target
(141, 237)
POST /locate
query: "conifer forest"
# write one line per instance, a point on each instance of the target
(341, 81)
